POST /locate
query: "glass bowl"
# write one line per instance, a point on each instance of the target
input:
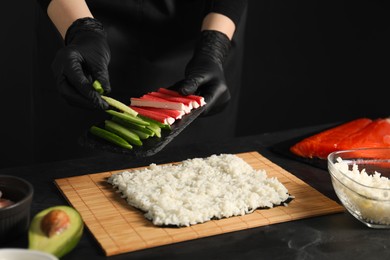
(360, 178)
(14, 218)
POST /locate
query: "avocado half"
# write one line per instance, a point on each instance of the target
(59, 244)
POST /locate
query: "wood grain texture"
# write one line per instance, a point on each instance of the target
(120, 228)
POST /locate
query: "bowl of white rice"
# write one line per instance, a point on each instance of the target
(361, 180)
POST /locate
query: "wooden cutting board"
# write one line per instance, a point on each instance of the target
(120, 228)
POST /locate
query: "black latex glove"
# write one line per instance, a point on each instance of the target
(204, 73)
(84, 58)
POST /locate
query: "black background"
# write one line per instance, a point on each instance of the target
(312, 62)
(306, 62)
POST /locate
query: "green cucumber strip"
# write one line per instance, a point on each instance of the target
(133, 126)
(128, 118)
(123, 132)
(142, 135)
(155, 128)
(109, 136)
(98, 87)
(120, 106)
(150, 120)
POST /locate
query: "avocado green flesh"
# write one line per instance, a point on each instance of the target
(59, 244)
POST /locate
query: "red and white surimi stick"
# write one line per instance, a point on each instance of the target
(180, 98)
(186, 101)
(198, 99)
(151, 101)
(185, 108)
(176, 114)
(162, 118)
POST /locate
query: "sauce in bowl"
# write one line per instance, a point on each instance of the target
(5, 202)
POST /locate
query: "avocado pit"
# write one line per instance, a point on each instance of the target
(55, 222)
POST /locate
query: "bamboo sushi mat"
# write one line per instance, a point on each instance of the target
(120, 228)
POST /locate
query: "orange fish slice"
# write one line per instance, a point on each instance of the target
(376, 134)
(323, 143)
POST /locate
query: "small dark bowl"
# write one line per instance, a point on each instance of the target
(15, 219)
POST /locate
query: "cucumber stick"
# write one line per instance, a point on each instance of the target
(98, 87)
(142, 135)
(123, 132)
(120, 106)
(155, 128)
(110, 137)
(161, 125)
(113, 102)
(133, 126)
(128, 118)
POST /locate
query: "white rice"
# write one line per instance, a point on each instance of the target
(367, 195)
(200, 189)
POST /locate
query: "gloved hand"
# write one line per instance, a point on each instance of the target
(84, 58)
(204, 73)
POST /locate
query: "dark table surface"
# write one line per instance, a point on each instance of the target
(336, 236)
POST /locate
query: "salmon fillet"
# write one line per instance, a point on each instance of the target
(323, 143)
(376, 134)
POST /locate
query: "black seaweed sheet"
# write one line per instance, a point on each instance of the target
(150, 146)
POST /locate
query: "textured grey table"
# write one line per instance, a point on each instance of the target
(337, 236)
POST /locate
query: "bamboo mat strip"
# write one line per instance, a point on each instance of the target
(120, 228)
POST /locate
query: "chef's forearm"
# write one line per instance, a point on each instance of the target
(219, 22)
(64, 12)
(224, 15)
